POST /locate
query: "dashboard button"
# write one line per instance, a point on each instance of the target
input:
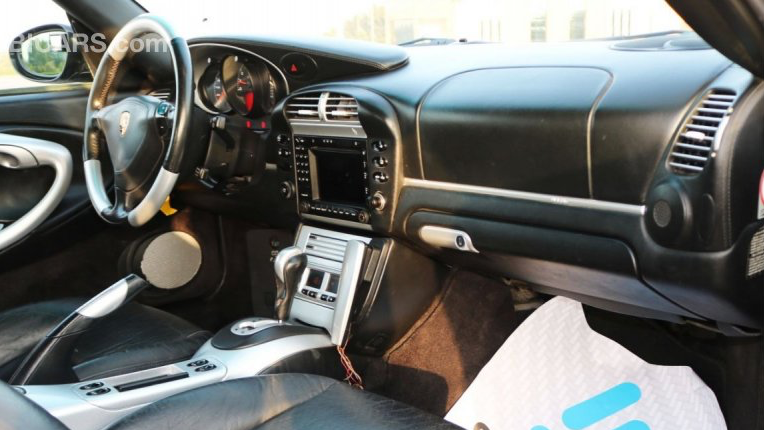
(379, 145)
(299, 66)
(380, 161)
(381, 177)
(92, 386)
(98, 392)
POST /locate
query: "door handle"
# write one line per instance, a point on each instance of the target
(17, 152)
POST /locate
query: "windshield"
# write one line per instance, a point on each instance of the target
(422, 21)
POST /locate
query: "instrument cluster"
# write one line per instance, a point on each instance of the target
(237, 83)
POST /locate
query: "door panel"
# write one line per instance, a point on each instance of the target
(55, 116)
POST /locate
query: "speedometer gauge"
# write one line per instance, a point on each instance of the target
(249, 86)
(213, 90)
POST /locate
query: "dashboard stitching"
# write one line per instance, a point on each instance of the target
(590, 127)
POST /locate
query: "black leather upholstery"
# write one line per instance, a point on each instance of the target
(135, 337)
(286, 401)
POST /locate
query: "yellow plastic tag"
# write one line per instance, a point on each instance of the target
(167, 208)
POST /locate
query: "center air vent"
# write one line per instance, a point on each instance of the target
(304, 107)
(323, 107)
(341, 108)
(701, 132)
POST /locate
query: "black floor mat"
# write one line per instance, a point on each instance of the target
(437, 360)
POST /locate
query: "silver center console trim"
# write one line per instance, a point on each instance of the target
(349, 278)
(249, 362)
(334, 253)
(250, 326)
(78, 410)
(73, 407)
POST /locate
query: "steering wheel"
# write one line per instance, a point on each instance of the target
(140, 132)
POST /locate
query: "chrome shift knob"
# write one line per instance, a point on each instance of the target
(289, 265)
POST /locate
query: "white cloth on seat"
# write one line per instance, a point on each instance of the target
(555, 373)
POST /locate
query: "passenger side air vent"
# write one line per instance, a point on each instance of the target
(326, 247)
(341, 108)
(304, 107)
(696, 141)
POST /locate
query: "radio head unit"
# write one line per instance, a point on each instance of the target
(332, 177)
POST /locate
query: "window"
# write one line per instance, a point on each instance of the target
(538, 29)
(399, 21)
(18, 17)
(578, 25)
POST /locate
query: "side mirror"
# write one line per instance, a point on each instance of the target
(49, 54)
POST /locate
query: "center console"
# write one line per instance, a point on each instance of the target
(333, 271)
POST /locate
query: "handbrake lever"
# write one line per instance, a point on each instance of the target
(48, 362)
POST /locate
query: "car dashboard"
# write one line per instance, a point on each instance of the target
(622, 173)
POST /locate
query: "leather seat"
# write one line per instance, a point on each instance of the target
(135, 337)
(285, 401)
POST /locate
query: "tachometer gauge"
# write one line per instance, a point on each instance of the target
(249, 86)
(213, 89)
(245, 88)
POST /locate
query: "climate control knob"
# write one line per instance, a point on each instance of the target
(380, 161)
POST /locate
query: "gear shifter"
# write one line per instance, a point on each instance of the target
(289, 265)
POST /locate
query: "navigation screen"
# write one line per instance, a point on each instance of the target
(340, 176)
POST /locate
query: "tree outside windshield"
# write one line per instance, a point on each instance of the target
(438, 21)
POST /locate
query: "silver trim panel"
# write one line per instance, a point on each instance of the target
(106, 301)
(442, 237)
(17, 152)
(94, 182)
(315, 313)
(573, 202)
(327, 130)
(340, 222)
(77, 410)
(351, 273)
